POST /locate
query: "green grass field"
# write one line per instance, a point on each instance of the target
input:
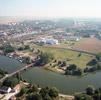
(63, 55)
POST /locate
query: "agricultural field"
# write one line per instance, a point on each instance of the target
(71, 57)
(92, 45)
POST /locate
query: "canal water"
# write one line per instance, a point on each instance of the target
(66, 84)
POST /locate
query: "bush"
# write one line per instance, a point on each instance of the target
(83, 97)
(90, 90)
(44, 91)
(53, 92)
(34, 97)
(8, 48)
(72, 67)
(26, 47)
(11, 82)
(92, 62)
(63, 64)
(23, 91)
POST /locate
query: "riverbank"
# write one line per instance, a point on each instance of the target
(56, 70)
(60, 97)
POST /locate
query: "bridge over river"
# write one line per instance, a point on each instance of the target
(15, 72)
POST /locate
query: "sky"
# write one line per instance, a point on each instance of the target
(51, 8)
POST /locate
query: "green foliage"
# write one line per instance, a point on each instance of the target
(34, 97)
(90, 90)
(63, 64)
(8, 48)
(11, 82)
(47, 97)
(91, 94)
(92, 62)
(44, 91)
(26, 47)
(53, 92)
(83, 97)
(73, 70)
(72, 67)
(2, 72)
(35, 88)
(79, 54)
(26, 60)
(45, 58)
(20, 48)
(98, 56)
(23, 91)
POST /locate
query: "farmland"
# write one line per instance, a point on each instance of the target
(89, 44)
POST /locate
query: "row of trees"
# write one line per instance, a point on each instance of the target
(90, 94)
(8, 48)
(32, 92)
(73, 70)
(25, 47)
(95, 64)
(92, 66)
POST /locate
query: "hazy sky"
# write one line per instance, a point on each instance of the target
(51, 8)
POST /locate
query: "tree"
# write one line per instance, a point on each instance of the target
(11, 82)
(8, 48)
(20, 48)
(72, 67)
(23, 91)
(35, 88)
(26, 47)
(53, 92)
(77, 72)
(45, 58)
(27, 60)
(92, 62)
(59, 62)
(90, 90)
(79, 54)
(98, 56)
(97, 95)
(2, 72)
(63, 64)
(34, 97)
(44, 91)
(47, 97)
(83, 97)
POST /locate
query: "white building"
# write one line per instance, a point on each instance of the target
(48, 41)
(5, 89)
(3, 34)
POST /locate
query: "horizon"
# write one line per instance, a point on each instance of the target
(51, 9)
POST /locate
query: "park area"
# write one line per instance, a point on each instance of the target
(71, 57)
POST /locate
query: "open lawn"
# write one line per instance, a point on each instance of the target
(65, 55)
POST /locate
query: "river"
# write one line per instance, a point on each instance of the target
(66, 84)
